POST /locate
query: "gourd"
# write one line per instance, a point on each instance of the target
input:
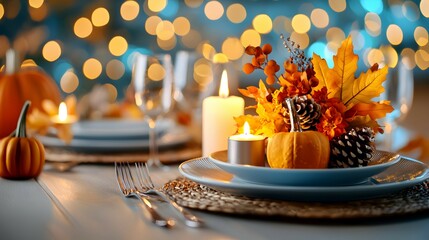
(20, 84)
(21, 157)
(297, 148)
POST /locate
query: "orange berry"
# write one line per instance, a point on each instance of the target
(271, 63)
(269, 70)
(261, 59)
(250, 50)
(271, 67)
(248, 68)
(267, 49)
(270, 79)
(258, 51)
(255, 62)
(290, 67)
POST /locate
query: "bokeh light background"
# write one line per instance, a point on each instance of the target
(81, 43)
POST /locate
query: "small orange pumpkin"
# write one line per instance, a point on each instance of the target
(297, 148)
(21, 157)
(20, 84)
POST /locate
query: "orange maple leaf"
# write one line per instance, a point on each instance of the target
(374, 110)
(366, 121)
(251, 92)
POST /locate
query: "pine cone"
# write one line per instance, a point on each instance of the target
(308, 111)
(352, 149)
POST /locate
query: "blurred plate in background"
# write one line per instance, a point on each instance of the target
(175, 136)
(118, 129)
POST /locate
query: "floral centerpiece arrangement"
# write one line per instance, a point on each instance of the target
(330, 101)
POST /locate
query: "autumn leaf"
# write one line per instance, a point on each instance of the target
(366, 87)
(366, 121)
(420, 146)
(254, 92)
(374, 110)
(326, 76)
(253, 121)
(251, 92)
(345, 66)
(38, 122)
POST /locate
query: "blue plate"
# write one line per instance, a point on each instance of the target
(174, 137)
(406, 173)
(306, 177)
(118, 129)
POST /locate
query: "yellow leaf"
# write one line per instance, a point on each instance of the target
(262, 89)
(345, 66)
(49, 107)
(374, 110)
(259, 94)
(418, 147)
(327, 77)
(252, 120)
(251, 92)
(366, 121)
(366, 87)
(38, 122)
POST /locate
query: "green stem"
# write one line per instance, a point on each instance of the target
(294, 119)
(21, 125)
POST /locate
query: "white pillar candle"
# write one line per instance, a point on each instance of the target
(218, 118)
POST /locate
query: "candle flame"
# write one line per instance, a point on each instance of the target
(223, 89)
(62, 111)
(246, 128)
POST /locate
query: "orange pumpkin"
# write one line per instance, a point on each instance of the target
(21, 157)
(298, 149)
(19, 85)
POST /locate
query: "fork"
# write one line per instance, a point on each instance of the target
(128, 188)
(147, 188)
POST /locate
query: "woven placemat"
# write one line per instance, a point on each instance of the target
(193, 195)
(167, 156)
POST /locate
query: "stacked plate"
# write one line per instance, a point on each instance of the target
(388, 173)
(118, 136)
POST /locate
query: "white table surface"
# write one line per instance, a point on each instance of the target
(85, 203)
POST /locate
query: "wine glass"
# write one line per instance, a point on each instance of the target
(399, 90)
(189, 87)
(154, 87)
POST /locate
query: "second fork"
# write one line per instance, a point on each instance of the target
(147, 188)
(128, 188)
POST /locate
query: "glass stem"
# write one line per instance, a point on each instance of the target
(390, 127)
(153, 146)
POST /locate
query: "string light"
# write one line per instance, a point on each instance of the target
(100, 33)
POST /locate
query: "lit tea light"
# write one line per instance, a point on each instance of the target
(63, 117)
(246, 148)
(246, 135)
(218, 118)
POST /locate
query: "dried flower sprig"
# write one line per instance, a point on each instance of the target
(297, 55)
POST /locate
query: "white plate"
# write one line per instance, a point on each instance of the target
(176, 136)
(118, 129)
(306, 177)
(406, 173)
